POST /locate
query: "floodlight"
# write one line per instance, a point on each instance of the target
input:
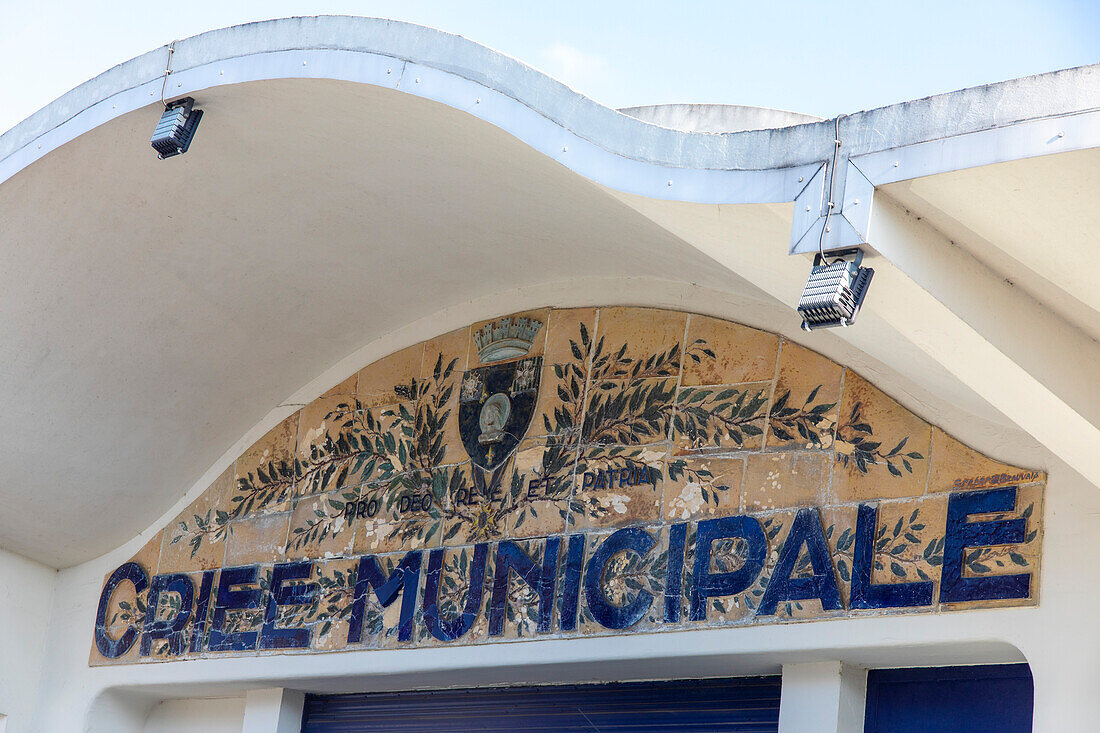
(176, 128)
(835, 291)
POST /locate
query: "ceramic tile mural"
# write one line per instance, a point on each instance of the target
(555, 473)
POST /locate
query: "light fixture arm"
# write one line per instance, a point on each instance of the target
(854, 252)
(167, 71)
(830, 204)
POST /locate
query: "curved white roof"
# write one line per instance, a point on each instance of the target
(359, 184)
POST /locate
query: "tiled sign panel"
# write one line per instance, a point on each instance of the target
(572, 472)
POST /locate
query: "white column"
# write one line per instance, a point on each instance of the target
(822, 697)
(274, 710)
(1065, 691)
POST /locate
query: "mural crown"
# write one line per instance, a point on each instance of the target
(506, 338)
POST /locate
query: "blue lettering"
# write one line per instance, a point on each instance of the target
(170, 629)
(298, 594)
(962, 535)
(805, 530)
(866, 594)
(571, 583)
(542, 580)
(402, 581)
(202, 610)
(705, 584)
(234, 600)
(115, 648)
(451, 629)
(674, 575)
(607, 613)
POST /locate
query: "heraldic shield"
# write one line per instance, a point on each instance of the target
(495, 407)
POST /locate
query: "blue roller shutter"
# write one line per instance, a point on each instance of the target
(978, 699)
(742, 704)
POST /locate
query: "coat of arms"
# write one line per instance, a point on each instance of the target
(497, 401)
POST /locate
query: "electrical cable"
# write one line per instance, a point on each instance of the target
(167, 71)
(832, 181)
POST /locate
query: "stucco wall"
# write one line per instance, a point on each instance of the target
(201, 715)
(25, 607)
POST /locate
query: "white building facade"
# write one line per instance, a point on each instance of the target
(420, 371)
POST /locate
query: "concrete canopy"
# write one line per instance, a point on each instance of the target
(359, 184)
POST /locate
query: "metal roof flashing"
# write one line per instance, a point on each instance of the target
(641, 134)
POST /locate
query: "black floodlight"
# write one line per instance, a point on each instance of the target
(835, 291)
(176, 128)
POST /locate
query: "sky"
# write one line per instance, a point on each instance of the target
(821, 58)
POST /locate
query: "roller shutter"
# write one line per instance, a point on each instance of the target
(978, 699)
(742, 704)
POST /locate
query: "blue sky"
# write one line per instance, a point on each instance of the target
(822, 58)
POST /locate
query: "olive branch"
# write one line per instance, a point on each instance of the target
(867, 452)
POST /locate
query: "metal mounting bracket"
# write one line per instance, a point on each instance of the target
(850, 222)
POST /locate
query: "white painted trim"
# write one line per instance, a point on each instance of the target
(850, 222)
(853, 699)
(1016, 141)
(823, 697)
(808, 209)
(608, 147)
(576, 153)
(863, 173)
(273, 710)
